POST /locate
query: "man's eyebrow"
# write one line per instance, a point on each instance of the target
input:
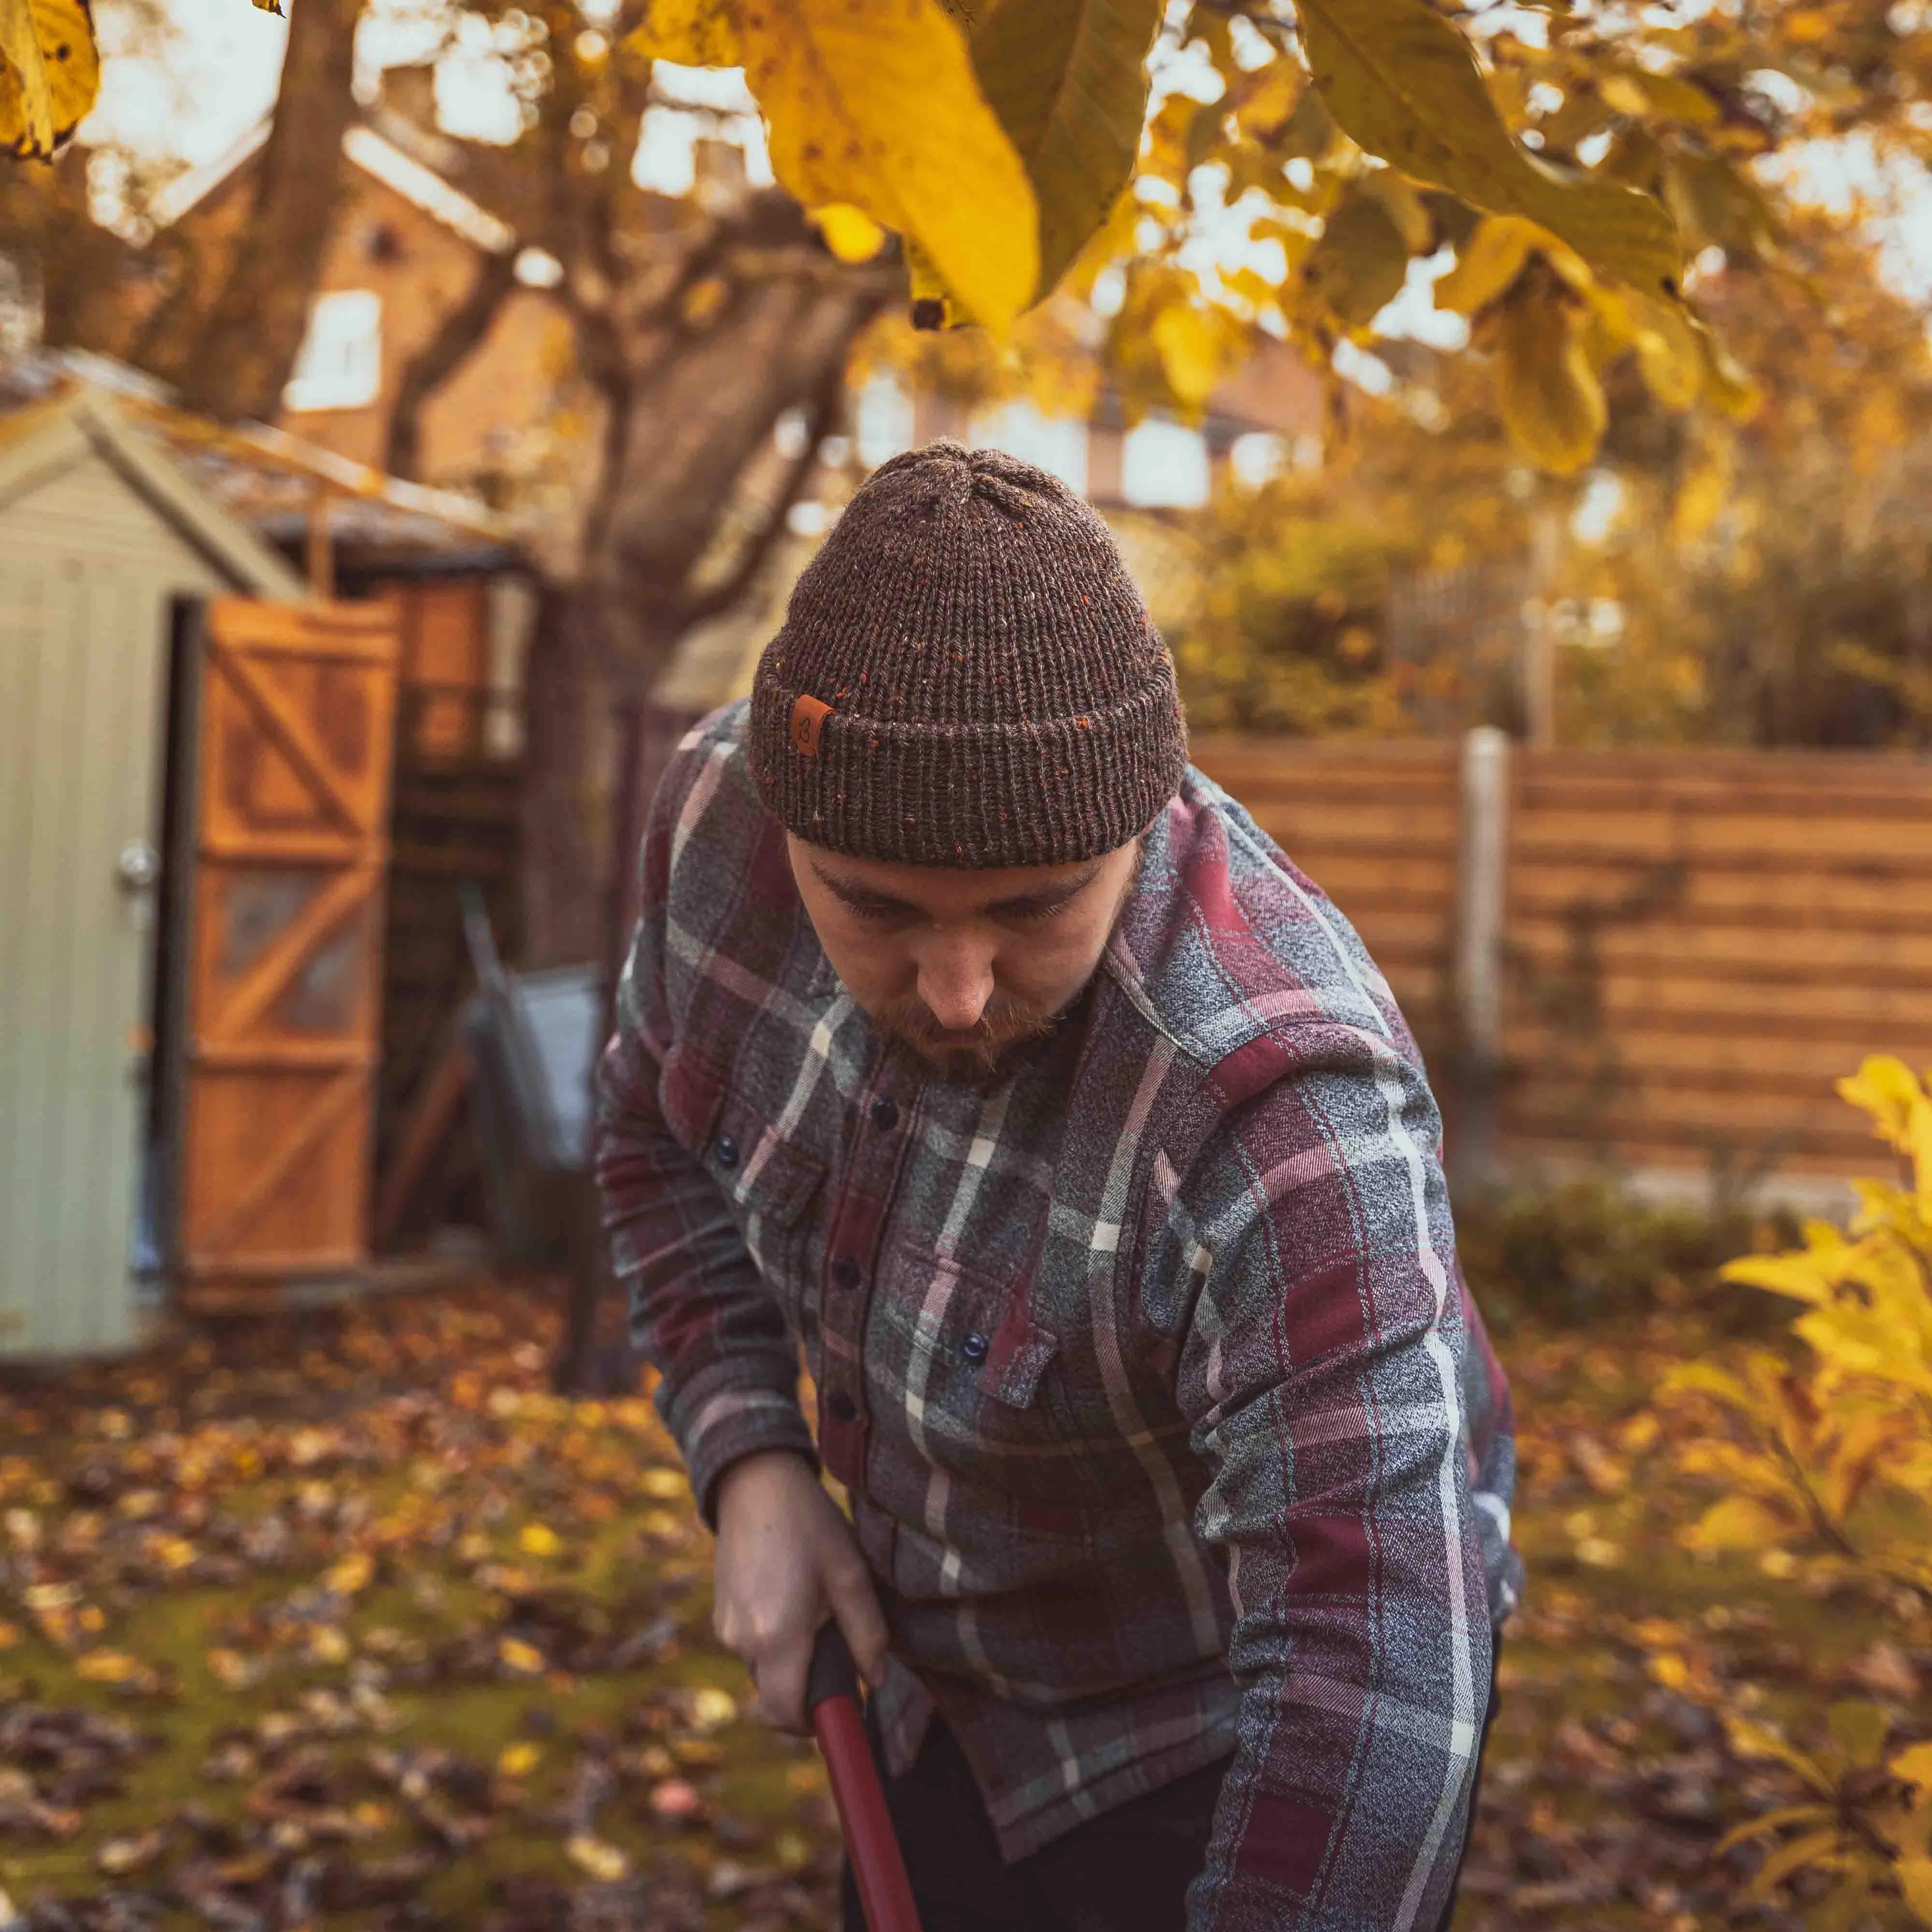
(1042, 898)
(1047, 898)
(854, 893)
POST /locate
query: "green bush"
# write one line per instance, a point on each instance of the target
(1588, 1249)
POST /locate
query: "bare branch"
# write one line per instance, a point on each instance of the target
(823, 409)
(460, 332)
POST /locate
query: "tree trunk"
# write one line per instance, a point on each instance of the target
(695, 421)
(234, 357)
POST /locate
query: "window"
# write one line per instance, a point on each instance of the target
(1164, 467)
(1258, 458)
(885, 421)
(341, 364)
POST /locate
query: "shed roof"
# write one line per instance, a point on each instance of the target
(264, 480)
(39, 442)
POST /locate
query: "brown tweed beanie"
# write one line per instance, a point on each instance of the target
(966, 677)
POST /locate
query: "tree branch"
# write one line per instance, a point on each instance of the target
(458, 334)
(824, 406)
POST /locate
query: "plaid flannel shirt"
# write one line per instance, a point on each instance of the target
(1168, 1427)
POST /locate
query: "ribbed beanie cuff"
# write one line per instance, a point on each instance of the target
(966, 677)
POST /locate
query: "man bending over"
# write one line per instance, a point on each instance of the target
(975, 1042)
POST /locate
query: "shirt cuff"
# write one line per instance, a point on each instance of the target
(726, 1425)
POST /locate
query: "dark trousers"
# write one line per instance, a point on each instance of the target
(1127, 1870)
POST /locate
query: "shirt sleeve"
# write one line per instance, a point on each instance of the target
(1322, 1379)
(701, 1314)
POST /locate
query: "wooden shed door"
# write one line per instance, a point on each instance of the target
(292, 804)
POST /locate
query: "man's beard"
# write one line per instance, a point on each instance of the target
(969, 1058)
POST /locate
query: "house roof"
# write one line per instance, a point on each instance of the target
(424, 167)
(265, 480)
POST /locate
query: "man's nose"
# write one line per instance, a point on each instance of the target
(955, 981)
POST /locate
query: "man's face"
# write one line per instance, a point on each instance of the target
(962, 965)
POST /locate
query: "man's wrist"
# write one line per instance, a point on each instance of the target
(756, 1466)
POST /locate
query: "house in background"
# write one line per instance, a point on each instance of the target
(421, 213)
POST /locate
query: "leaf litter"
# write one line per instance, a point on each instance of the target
(347, 1621)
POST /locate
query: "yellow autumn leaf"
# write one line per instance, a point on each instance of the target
(711, 1708)
(693, 33)
(328, 1645)
(538, 1539)
(1551, 401)
(1361, 262)
(1669, 1669)
(1488, 262)
(1915, 1881)
(850, 233)
(1737, 1522)
(1915, 1766)
(353, 1573)
(524, 1658)
(50, 72)
(1800, 1277)
(597, 1856)
(1885, 1088)
(873, 102)
(1402, 82)
(1749, 1739)
(519, 1759)
(664, 1485)
(1702, 494)
(1668, 351)
(1068, 79)
(107, 1666)
(1188, 346)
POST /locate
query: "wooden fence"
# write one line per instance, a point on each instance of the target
(1689, 947)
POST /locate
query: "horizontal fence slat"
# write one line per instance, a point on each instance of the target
(1697, 944)
(1719, 895)
(1856, 952)
(1641, 1054)
(1757, 1009)
(1807, 838)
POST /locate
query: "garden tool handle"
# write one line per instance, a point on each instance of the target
(832, 1697)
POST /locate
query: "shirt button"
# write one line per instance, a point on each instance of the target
(885, 1115)
(840, 1406)
(726, 1151)
(845, 1272)
(974, 1347)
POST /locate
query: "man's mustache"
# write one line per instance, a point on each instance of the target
(1005, 1021)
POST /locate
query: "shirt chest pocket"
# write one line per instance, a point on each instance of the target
(959, 1358)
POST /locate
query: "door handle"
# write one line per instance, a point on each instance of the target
(138, 869)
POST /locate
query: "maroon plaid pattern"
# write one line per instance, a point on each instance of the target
(1169, 1425)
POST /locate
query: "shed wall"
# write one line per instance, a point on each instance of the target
(87, 571)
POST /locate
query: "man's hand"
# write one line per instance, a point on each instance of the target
(785, 1557)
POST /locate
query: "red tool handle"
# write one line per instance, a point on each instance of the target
(832, 1697)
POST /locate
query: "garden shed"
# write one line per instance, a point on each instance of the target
(196, 776)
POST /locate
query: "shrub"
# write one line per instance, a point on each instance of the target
(1827, 1452)
(1588, 1249)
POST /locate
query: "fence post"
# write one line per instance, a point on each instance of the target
(1482, 862)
